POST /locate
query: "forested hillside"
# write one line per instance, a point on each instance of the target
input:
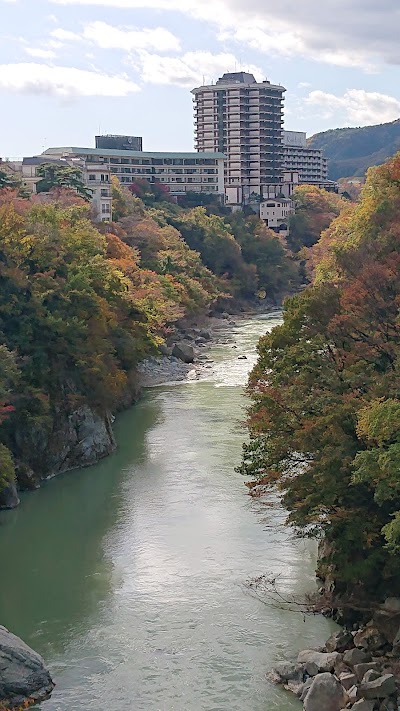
(351, 151)
(325, 413)
(81, 304)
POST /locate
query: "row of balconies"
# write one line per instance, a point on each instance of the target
(242, 128)
(215, 107)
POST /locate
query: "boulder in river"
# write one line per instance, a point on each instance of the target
(184, 352)
(23, 674)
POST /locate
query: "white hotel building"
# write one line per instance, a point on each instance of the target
(179, 172)
(242, 118)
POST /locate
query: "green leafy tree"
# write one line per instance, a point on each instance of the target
(54, 175)
(8, 181)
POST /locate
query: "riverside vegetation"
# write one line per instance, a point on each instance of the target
(325, 434)
(81, 304)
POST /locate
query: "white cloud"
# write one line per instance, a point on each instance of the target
(65, 35)
(358, 107)
(40, 53)
(109, 37)
(361, 33)
(66, 82)
(189, 70)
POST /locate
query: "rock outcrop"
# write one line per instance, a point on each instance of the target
(9, 498)
(77, 439)
(24, 678)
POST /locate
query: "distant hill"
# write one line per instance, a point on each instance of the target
(352, 150)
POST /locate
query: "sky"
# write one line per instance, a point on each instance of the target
(70, 69)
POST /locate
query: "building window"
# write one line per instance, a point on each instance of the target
(105, 208)
(92, 176)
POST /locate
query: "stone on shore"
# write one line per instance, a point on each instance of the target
(361, 669)
(356, 656)
(379, 688)
(347, 680)
(184, 352)
(363, 705)
(369, 638)
(285, 671)
(339, 641)
(324, 661)
(165, 350)
(23, 674)
(325, 694)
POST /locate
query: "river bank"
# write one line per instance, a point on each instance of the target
(356, 669)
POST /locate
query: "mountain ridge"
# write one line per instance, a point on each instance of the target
(351, 151)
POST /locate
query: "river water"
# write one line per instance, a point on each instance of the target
(130, 577)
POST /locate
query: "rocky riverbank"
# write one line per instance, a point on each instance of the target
(24, 679)
(185, 354)
(357, 669)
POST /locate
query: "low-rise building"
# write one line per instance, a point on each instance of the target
(275, 213)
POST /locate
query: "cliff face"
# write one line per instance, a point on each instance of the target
(78, 439)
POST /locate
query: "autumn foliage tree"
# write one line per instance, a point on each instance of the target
(315, 210)
(324, 420)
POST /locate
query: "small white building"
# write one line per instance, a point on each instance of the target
(275, 213)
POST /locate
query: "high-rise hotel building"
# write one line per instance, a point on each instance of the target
(242, 118)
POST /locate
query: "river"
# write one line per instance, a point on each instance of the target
(129, 577)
